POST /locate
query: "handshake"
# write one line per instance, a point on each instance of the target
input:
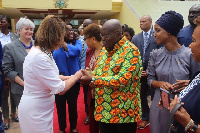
(85, 76)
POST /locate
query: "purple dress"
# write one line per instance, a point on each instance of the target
(167, 66)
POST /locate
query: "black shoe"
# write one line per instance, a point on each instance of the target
(6, 126)
(16, 119)
(74, 131)
(87, 120)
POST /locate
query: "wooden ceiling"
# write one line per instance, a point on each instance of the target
(63, 13)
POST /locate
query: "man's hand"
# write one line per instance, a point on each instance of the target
(7, 83)
(144, 74)
(86, 78)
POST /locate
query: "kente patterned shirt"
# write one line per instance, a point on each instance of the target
(117, 84)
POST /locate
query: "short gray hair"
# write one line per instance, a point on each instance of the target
(24, 22)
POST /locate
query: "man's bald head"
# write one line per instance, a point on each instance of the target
(86, 22)
(193, 13)
(145, 23)
(111, 33)
(112, 25)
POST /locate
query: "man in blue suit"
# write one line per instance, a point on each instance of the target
(145, 42)
(185, 35)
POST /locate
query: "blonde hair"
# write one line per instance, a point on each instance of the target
(50, 32)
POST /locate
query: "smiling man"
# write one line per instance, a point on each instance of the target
(185, 35)
(116, 78)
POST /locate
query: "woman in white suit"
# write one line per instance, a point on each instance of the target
(42, 80)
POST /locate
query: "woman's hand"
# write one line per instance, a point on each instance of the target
(79, 74)
(19, 81)
(180, 85)
(64, 77)
(166, 85)
(181, 115)
(64, 45)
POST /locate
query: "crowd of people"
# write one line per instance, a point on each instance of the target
(116, 68)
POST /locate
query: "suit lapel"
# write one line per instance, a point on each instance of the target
(141, 38)
(21, 48)
(12, 37)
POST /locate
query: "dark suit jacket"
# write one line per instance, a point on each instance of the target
(13, 59)
(138, 41)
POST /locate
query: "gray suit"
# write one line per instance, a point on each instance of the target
(13, 59)
(138, 41)
(5, 95)
(13, 37)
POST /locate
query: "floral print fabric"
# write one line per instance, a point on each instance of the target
(117, 84)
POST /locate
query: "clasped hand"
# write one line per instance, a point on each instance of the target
(176, 87)
(87, 77)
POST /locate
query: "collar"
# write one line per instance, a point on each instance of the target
(147, 32)
(1, 34)
(117, 46)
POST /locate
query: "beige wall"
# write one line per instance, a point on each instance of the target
(127, 17)
(132, 10)
(49, 4)
(156, 8)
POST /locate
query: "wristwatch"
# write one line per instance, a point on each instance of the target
(92, 81)
(193, 129)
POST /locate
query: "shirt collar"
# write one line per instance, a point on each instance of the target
(1, 34)
(118, 45)
(147, 32)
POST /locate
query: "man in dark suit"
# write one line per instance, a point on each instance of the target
(145, 43)
(185, 35)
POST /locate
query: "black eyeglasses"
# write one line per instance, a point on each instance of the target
(106, 35)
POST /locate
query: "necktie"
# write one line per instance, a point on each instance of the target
(145, 44)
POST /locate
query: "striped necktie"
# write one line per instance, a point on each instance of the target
(145, 44)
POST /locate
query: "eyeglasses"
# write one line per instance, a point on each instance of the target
(109, 34)
(69, 30)
(106, 35)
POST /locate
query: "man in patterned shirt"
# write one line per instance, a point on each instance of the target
(116, 78)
